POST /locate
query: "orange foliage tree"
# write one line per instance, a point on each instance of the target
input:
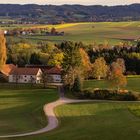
(86, 65)
(3, 55)
(116, 76)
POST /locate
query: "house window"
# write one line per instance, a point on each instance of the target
(38, 81)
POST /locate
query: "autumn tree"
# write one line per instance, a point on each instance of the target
(53, 31)
(116, 76)
(21, 53)
(56, 59)
(100, 68)
(86, 65)
(3, 55)
(121, 64)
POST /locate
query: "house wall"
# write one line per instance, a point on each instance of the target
(54, 78)
(26, 78)
(22, 79)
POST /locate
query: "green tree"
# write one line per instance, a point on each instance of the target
(71, 62)
(100, 68)
(78, 84)
(35, 59)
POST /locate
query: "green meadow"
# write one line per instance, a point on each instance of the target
(133, 84)
(89, 32)
(97, 120)
(22, 111)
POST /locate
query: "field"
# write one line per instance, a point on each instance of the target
(133, 84)
(98, 121)
(22, 110)
(112, 32)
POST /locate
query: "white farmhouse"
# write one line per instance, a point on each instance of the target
(25, 75)
(54, 75)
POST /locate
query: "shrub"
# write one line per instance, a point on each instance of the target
(77, 87)
(108, 95)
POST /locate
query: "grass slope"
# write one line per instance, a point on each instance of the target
(22, 110)
(98, 121)
(133, 84)
(113, 32)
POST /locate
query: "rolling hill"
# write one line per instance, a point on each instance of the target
(69, 13)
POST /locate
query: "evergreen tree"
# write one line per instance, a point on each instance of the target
(78, 83)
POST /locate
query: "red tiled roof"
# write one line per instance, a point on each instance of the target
(25, 71)
(44, 68)
(54, 70)
(6, 69)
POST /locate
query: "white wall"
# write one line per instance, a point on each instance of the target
(25, 78)
(56, 78)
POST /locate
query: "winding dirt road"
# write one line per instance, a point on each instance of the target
(52, 119)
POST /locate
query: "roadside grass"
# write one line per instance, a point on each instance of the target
(97, 120)
(22, 110)
(133, 84)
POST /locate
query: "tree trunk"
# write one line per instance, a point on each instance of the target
(99, 77)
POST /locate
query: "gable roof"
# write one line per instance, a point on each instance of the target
(6, 69)
(54, 70)
(42, 67)
(25, 71)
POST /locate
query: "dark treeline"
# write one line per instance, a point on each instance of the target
(130, 54)
(69, 13)
(44, 53)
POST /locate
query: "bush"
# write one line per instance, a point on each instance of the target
(77, 87)
(108, 95)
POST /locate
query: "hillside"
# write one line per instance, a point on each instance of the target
(88, 32)
(69, 13)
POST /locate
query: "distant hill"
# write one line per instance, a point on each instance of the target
(69, 13)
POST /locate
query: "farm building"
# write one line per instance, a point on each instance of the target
(25, 75)
(5, 71)
(54, 75)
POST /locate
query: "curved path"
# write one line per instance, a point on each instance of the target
(52, 119)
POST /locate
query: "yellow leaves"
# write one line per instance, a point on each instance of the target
(56, 59)
(3, 55)
(24, 46)
(85, 59)
(100, 68)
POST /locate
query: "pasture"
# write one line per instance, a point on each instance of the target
(89, 33)
(97, 120)
(22, 110)
(133, 84)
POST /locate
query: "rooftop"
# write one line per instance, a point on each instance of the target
(7, 69)
(25, 71)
